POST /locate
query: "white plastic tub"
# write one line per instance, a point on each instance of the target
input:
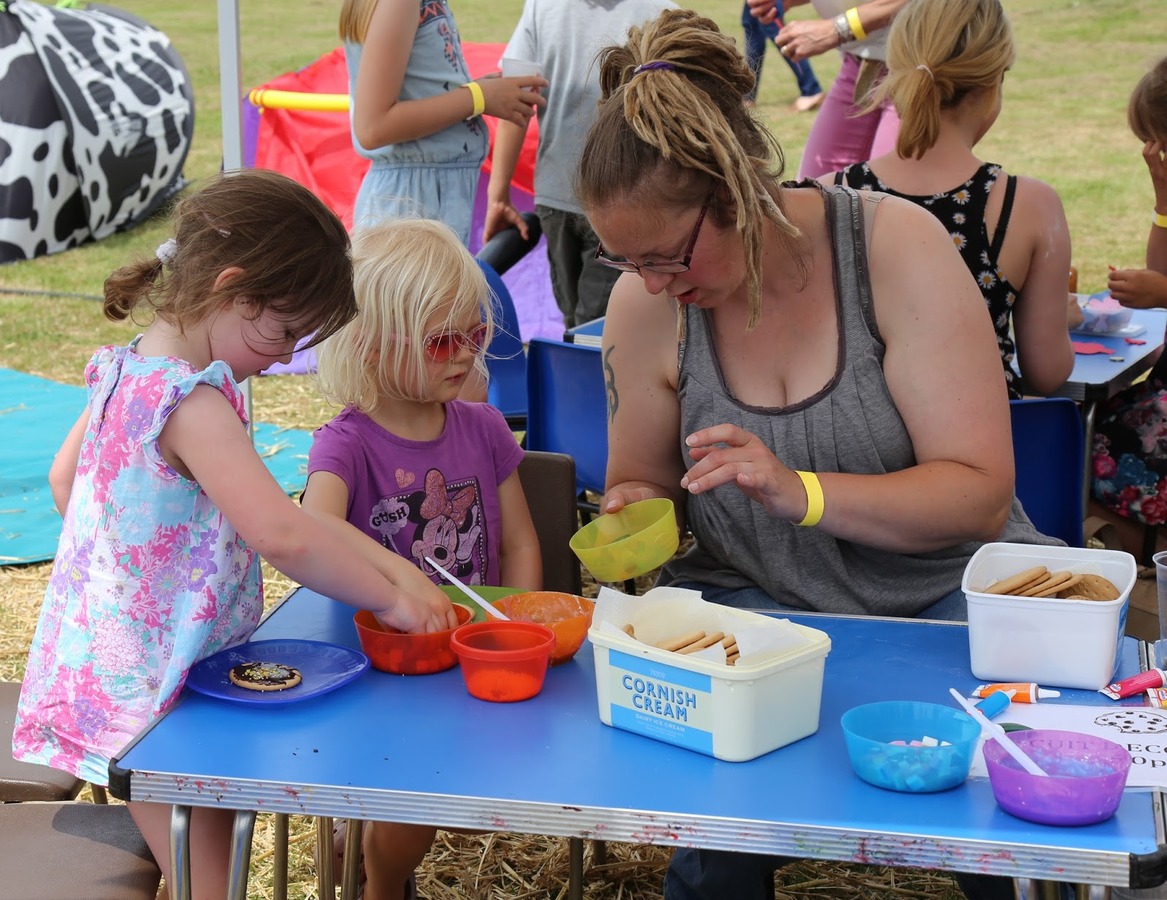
(734, 713)
(1054, 642)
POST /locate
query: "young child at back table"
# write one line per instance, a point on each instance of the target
(167, 507)
(405, 461)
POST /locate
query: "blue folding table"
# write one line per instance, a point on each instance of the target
(403, 749)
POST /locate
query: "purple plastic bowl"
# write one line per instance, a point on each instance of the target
(1086, 777)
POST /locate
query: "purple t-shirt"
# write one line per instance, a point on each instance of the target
(426, 498)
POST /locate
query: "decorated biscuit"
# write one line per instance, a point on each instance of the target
(264, 676)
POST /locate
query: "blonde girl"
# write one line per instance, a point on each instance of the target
(426, 474)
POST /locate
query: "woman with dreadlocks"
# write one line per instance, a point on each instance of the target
(807, 371)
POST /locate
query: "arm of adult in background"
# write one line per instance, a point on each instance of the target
(203, 439)
(766, 11)
(504, 159)
(64, 467)
(944, 374)
(1155, 153)
(1138, 288)
(802, 38)
(380, 118)
(644, 414)
(520, 561)
(1040, 316)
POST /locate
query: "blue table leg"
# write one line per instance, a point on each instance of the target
(240, 854)
(180, 853)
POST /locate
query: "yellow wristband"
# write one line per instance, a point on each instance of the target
(856, 26)
(814, 499)
(475, 90)
(1160, 220)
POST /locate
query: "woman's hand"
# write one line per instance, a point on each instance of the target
(727, 454)
(806, 37)
(513, 99)
(621, 495)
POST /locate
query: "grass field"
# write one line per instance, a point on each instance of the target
(1063, 121)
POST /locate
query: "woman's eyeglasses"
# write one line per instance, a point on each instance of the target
(442, 346)
(664, 267)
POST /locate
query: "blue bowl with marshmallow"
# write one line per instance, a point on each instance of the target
(906, 745)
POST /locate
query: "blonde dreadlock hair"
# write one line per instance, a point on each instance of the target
(671, 124)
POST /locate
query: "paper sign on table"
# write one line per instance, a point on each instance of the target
(1141, 729)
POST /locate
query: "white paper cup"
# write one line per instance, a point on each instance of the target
(512, 66)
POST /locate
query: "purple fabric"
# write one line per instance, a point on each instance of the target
(426, 498)
(529, 282)
(839, 138)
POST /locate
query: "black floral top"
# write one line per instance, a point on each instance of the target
(962, 211)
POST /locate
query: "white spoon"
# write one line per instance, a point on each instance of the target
(490, 610)
(995, 731)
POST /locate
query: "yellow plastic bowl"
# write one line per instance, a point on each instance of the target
(629, 543)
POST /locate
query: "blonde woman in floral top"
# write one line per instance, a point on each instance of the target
(168, 507)
(946, 67)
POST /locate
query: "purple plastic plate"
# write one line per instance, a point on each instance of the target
(1087, 775)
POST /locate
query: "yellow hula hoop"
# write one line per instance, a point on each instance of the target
(265, 98)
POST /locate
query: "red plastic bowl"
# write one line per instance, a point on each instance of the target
(401, 653)
(503, 661)
(567, 615)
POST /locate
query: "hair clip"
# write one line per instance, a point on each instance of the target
(167, 251)
(649, 66)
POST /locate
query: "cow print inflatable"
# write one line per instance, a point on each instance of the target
(96, 120)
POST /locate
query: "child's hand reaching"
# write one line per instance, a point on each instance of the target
(421, 606)
(1138, 288)
(513, 99)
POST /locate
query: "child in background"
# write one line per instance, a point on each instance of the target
(1130, 436)
(417, 115)
(167, 507)
(405, 461)
(563, 38)
(946, 62)
(1147, 117)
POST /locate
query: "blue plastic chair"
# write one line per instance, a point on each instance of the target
(1049, 458)
(505, 361)
(567, 409)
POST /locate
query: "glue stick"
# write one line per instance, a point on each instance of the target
(1025, 693)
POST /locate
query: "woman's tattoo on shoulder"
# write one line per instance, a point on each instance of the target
(610, 384)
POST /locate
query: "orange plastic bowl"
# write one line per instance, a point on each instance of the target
(567, 615)
(503, 661)
(401, 653)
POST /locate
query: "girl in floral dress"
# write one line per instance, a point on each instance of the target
(167, 507)
(1130, 437)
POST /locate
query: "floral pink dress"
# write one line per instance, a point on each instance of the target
(148, 579)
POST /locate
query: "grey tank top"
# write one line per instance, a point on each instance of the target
(851, 425)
